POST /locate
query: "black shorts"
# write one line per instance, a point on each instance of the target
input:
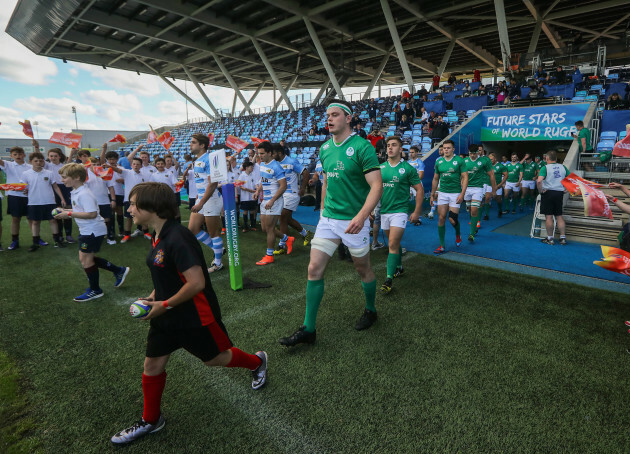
(17, 206)
(178, 196)
(105, 211)
(204, 342)
(40, 212)
(551, 203)
(191, 202)
(249, 205)
(65, 190)
(120, 201)
(126, 210)
(90, 243)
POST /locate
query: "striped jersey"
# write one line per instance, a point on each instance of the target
(270, 174)
(202, 172)
(292, 169)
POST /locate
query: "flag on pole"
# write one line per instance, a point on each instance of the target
(152, 137)
(105, 174)
(256, 141)
(615, 259)
(572, 183)
(211, 137)
(27, 129)
(595, 203)
(166, 139)
(13, 186)
(622, 148)
(235, 143)
(119, 138)
(70, 139)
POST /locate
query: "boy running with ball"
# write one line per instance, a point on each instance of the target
(184, 313)
(92, 231)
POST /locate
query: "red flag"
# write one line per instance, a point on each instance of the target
(166, 139)
(238, 183)
(256, 141)
(211, 137)
(27, 129)
(571, 182)
(152, 137)
(595, 203)
(615, 259)
(13, 186)
(70, 139)
(622, 148)
(105, 174)
(235, 143)
(179, 185)
(119, 138)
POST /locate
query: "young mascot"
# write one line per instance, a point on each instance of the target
(184, 313)
(92, 230)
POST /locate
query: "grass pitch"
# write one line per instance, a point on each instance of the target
(462, 358)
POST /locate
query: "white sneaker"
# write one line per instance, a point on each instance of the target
(430, 215)
(138, 430)
(260, 375)
(111, 241)
(137, 233)
(377, 245)
(215, 267)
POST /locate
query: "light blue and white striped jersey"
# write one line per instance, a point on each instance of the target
(319, 169)
(202, 171)
(292, 168)
(270, 174)
(417, 163)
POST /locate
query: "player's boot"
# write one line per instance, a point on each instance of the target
(120, 277)
(471, 238)
(125, 239)
(70, 240)
(308, 238)
(399, 271)
(260, 375)
(60, 244)
(215, 267)
(147, 236)
(42, 243)
(367, 319)
(301, 336)
(486, 218)
(290, 241)
(89, 295)
(13, 246)
(279, 250)
(138, 430)
(458, 240)
(547, 241)
(387, 286)
(266, 260)
(439, 250)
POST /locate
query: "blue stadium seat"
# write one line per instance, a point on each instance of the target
(610, 135)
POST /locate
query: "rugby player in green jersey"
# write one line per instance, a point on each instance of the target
(433, 198)
(479, 169)
(487, 189)
(351, 189)
(500, 176)
(530, 173)
(513, 184)
(398, 177)
(452, 179)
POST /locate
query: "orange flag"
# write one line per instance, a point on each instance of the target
(615, 259)
(235, 143)
(119, 138)
(70, 139)
(211, 137)
(595, 203)
(27, 129)
(622, 148)
(572, 183)
(166, 139)
(13, 186)
(105, 174)
(256, 141)
(179, 185)
(152, 137)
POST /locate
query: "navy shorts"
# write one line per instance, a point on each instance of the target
(126, 210)
(17, 206)
(178, 196)
(249, 205)
(120, 201)
(105, 211)
(191, 202)
(40, 212)
(66, 195)
(204, 342)
(90, 243)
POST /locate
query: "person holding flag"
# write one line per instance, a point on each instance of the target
(552, 192)
(17, 201)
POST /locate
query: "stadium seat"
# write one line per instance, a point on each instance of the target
(610, 135)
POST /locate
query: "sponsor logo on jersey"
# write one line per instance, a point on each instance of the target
(340, 166)
(350, 152)
(395, 179)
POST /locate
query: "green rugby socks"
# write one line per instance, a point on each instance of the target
(314, 296)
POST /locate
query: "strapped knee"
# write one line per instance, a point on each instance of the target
(325, 245)
(454, 217)
(475, 203)
(359, 251)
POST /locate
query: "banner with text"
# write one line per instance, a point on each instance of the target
(231, 230)
(69, 139)
(532, 123)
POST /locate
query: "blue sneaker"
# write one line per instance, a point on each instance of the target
(13, 246)
(120, 277)
(89, 295)
(42, 243)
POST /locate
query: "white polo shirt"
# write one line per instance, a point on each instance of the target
(147, 171)
(14, 173)
(83, 201)
(54, 168)
(40, 191)
(131, 179)
(250, 183)
(167, 177)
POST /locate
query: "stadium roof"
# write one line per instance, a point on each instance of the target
(259, 44)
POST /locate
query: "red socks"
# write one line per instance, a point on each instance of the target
(152, 388)
(242, 359)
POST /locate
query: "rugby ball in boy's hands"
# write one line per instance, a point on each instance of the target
(139, 309)
(56, 211)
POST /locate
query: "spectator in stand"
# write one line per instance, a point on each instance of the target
(313, 131)
(422, 92)
(405, 94)
(540, 73)
(423, 116)
(481, 91)
(355, 120)
(408, 111)
(583, 137)
(430, 121)
(283, 144)
(436, 82)
(577, 76)
(514, 93)
(476, 76)
(452, 80)
(501, 94)
(372, 110)
(615, 102)
(439, 130)
(541, 91)
(561, 76)
(324, 129)
(467, 90)
(405, 124)
(359, 130)
(397, 115)
(374, 137)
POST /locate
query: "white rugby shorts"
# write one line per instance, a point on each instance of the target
(448, 198)
(529, 184)
(513, 186)
(291, 201)
(275, 210)
(474, 194)
(213, 207)
(334, 229)
(393, 220)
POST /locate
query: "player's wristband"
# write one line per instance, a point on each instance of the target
(166, 306)
(69, 214)
(615, 200)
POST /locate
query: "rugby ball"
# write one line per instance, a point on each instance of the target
(139, 309)
(56, 211)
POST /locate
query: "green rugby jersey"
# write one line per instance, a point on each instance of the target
(499, 169)
(345, 166)
(478, 172)
(514, 172)
(486, 176)
(396, 183)
(529, 171)
(450, 173)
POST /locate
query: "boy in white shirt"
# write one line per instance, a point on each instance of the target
(41, 189)
(132, 177)
(17, 201)
(92, 230)
(168, 177)
(111, 158)
(105, 196)
(249, 205)
(56, 160)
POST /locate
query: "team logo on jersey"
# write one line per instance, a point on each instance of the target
(45, 178)
(401, 171)
(325, 147)
(350, 152)
(74, 203)
(159, 258)
(455, 163)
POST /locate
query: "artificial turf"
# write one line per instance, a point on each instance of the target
(462, 359)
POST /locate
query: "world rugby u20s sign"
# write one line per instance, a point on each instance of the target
(532, 123)
(231, 230)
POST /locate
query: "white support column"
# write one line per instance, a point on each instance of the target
(286, 89)
(504, 39)
(533, 43)
(194, 80)
(251, 100)
(391, 24)
(320, 93)
(447, 55)
(322, 55)
(234, 104)
(227, 75)
(272, 73)
(184, 95)
(377, 75)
